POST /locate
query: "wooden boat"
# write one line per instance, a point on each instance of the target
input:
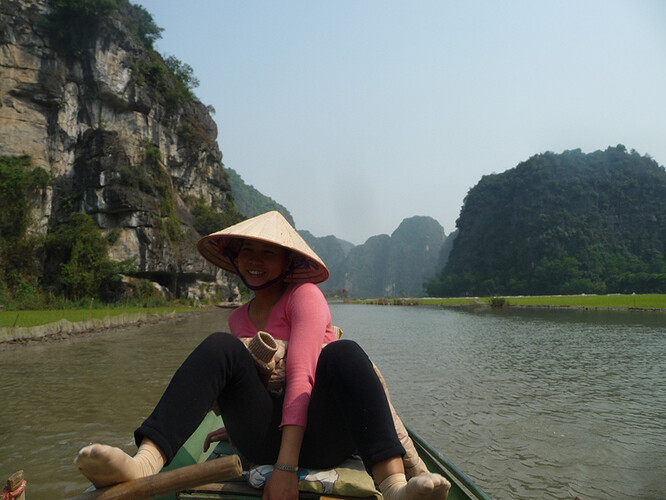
(462, 487)
(191, 466)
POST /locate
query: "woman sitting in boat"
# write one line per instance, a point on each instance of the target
(333, 404)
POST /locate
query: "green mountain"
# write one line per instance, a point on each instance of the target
(383, 266)
(117, 172)
(366, 267)
(446, 250)
(562, 223)
(251, 202)
(333, 251)
(396, 265)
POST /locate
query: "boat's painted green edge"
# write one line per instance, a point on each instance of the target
(192, 451)
(463, 488)
(452, 473)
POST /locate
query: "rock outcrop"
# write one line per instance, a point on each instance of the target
(383, 266)
(116, 143)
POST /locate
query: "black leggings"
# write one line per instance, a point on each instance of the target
(348, 411)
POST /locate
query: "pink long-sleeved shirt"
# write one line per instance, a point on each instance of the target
(303, 318)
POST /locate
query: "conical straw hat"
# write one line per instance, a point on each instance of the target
(221, 248)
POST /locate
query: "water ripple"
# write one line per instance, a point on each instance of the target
(529, 404)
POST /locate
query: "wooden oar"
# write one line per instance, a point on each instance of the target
(220, 469)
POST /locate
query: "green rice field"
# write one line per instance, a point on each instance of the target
(645, 302)
(20, 319)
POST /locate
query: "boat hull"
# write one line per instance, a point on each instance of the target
(462, 487)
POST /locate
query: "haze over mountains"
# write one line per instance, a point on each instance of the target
(110, 171)
(385, 265)
(556, 223)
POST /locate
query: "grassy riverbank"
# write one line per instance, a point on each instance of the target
(649, 302)
(28, 326)
(27, 318)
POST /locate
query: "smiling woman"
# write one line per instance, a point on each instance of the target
(222, 248)
(260, 263)
(331, 405)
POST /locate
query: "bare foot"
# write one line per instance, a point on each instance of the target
(427, 487)
(104, 465)
(423, 487)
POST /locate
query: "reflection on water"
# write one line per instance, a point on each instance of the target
(60, 396)
(530, 404)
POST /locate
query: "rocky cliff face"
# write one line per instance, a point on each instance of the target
(383, 266)
(115, 145)
(333, 252)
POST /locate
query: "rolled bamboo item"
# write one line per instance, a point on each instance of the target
(220, 469)
(15, 487)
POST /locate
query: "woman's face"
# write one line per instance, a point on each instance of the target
(261, 262)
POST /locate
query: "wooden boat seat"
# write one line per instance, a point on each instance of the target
(351, 477)
(240, 489)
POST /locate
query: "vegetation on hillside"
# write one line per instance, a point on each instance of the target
(77, 265)
(250, 202)
(567, 223)
(20, 184)
(212, 218)
(562, 224)
(67, 266)
(75, 25)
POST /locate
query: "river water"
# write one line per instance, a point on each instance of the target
(529, 404)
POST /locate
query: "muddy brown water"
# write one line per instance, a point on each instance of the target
(530, 404)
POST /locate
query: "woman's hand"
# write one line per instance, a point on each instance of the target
(218, 435)
(281, 485)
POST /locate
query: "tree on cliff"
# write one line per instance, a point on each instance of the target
(562, 223)
(20, 184)
(75, 24)
(131, 167)
(250, 202)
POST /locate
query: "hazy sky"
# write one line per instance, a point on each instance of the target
(355, 115)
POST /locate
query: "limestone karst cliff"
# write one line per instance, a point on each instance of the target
(385, 265)
(120, 136)
(395, 265)
(562, 223)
